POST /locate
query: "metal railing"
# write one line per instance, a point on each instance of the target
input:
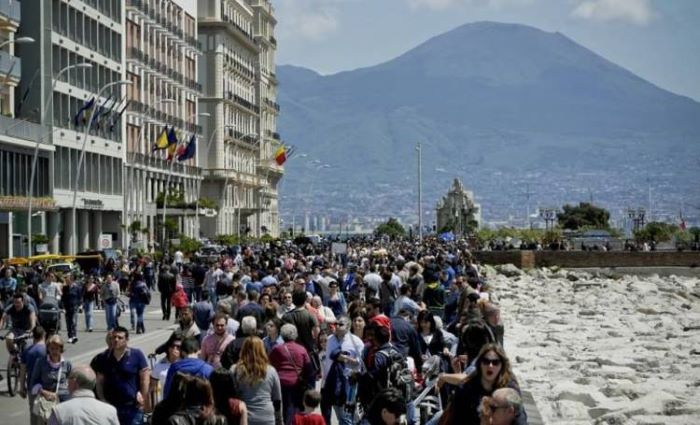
(11, 64)
(22, 129)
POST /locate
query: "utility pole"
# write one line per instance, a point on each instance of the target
(420, 192)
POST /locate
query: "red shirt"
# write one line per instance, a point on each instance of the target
(314, 418)
(291, 362)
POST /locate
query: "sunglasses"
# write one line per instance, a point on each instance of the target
(491, 362)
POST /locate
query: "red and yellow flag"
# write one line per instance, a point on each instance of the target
(281, 155)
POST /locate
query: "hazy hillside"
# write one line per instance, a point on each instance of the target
(482, 98)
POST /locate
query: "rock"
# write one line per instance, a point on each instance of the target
(572, 277)
(508, 270)
(597, 412)
(646, 310)
(583, 398)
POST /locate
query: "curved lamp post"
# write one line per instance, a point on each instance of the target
(18, 40)
(170, 173)
(199, 185)
(74, 245)
(131, 176)
(32, 174)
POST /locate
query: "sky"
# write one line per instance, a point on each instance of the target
(659, 40)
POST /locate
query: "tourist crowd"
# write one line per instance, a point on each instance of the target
(280, 334)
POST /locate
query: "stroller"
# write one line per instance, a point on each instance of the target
(427, 402)
(50, 316)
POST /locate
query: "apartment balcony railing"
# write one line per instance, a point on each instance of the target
(11, 9)
(22, 129)
(10, 65)
(273, 105)
(163, 165)
(273, 40)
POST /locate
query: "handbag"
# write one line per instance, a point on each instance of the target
(42, 407)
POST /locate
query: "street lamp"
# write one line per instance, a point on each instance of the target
(19, 40)
(49, 102)
(74, 245)
(199, 185)
(130, 176)
(170, 173)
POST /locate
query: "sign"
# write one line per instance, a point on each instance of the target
(94, 204)
(339, 248)
(42, 247)
(105, 241)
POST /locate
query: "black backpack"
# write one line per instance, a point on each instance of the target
(398, 375)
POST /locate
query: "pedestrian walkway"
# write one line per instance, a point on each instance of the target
(533, 414)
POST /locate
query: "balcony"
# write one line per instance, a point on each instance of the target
(23, 129)
(273, 40)
(10, 9)
(10, 65)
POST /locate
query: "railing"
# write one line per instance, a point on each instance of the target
(11, 9)
(11, 64)
(163, 165)
(22, 129)
(273, 40)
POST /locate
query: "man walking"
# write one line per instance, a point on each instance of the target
(123, 377)
(83, 408)
(166, 287)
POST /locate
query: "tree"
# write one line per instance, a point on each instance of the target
(391, 228)
(226, 240)
(585, 214)
(657, 232)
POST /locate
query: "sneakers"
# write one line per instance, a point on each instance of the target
(89, 330)
(73, 340)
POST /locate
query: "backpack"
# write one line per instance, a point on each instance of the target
(398, 375)
(144, 293)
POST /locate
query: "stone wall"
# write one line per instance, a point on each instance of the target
(584, 259)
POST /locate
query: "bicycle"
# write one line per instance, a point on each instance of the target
(13, 363)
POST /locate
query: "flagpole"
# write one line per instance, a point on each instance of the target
(199, 185)
(131, 175)
(74, 244)
(32, 175)
(167, 181)
(237, 204)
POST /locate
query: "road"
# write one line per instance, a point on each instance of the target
(15, 410)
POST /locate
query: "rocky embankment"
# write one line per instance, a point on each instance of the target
(597, 349)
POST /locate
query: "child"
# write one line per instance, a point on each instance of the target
(312, 399)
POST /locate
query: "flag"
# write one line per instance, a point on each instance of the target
(172, 143)
(190, 150)
(99, 111)
(18, 111)
(281, 155)
(115, 118)
(78, 118)
(108, 114)
(162, 140)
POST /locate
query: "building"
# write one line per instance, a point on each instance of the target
(67, 34)
(239, 91)
(161, 53)
(18, 141)
(457, 212)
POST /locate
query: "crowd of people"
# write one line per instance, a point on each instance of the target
(276, 334)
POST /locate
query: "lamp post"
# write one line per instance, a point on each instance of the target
(19, 40)
(74, 245)
(170, 173)
(199, 185)
(420, 192)
(35, 157)
(132, 175)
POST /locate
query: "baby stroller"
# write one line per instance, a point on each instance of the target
(50, 316)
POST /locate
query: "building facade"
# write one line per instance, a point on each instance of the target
(17, 144)
(239, 91)
(162, 53)
(457, 212)
(88, 148)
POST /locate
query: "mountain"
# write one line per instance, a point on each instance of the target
(483, 98)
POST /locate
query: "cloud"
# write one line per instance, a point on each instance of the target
(307, 19)
(636, 11)
(446, 4)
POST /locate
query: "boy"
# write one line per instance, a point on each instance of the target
(312, 399)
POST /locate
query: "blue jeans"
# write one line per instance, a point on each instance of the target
(139, 308)
(344, 417)
(88, 309)
(111, 315)
(130, 416)
(132, 313)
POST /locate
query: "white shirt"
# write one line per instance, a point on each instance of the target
(350, 344)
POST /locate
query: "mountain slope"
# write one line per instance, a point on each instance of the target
(484, 95)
